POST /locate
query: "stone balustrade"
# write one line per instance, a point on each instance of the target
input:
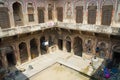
(82, 27)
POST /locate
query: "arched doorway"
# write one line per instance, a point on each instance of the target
(23, 52)
(60, 44)
(10, 56)
(77, 46)
(43, 46)
(116, 55)
(34, 48)
(68, 44)
(17, 12)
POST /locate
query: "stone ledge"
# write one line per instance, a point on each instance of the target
(82, 27)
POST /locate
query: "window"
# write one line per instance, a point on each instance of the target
(50, 17)
(92, 14)
(79, 14)
(41, 15)
(50, 14)
(30, 12)
(59, 13)
(107, 14)
(31, 17)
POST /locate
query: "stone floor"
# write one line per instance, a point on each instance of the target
(40, 63)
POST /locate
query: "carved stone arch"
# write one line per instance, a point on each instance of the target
(92, 3)
(79, 3)
(107, 2)
(20, 2)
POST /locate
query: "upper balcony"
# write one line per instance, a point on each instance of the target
(82, 27)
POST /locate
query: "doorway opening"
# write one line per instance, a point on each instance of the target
(43, 46)
(17, 12)
(116, 58)
(68, 44)
(11, 59)
(10, 56)
(77, 46)
(23, 52)
(60, 44)
(33, 48)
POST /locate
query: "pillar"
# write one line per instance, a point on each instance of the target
(4, 59)
(11, 17)
(64, 45)
(28, 50)
(72, 46)
(85, 15)
(98, 17)
(38, 45)
(17, 54)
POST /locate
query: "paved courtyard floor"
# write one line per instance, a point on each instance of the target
(45, 61)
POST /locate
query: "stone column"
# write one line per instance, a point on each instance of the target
(28, 50)
(98, 17)
(94, 46)
(38, 45)
(46, 12)
(4, 59)
(85, 15)
(17, 54)
(64, 45)
(112, 18)
(54, 12)
(72, 46)
(47, 47)
(11, 17)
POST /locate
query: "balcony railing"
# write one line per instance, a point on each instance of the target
(82, 27)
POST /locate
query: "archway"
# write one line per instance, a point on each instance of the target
(23, 52)
(60, 44)
(17, 12)
(68, 44)
(77, 46)
(116, 55)
(43, 46)
(34, 48)
(10, 56)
